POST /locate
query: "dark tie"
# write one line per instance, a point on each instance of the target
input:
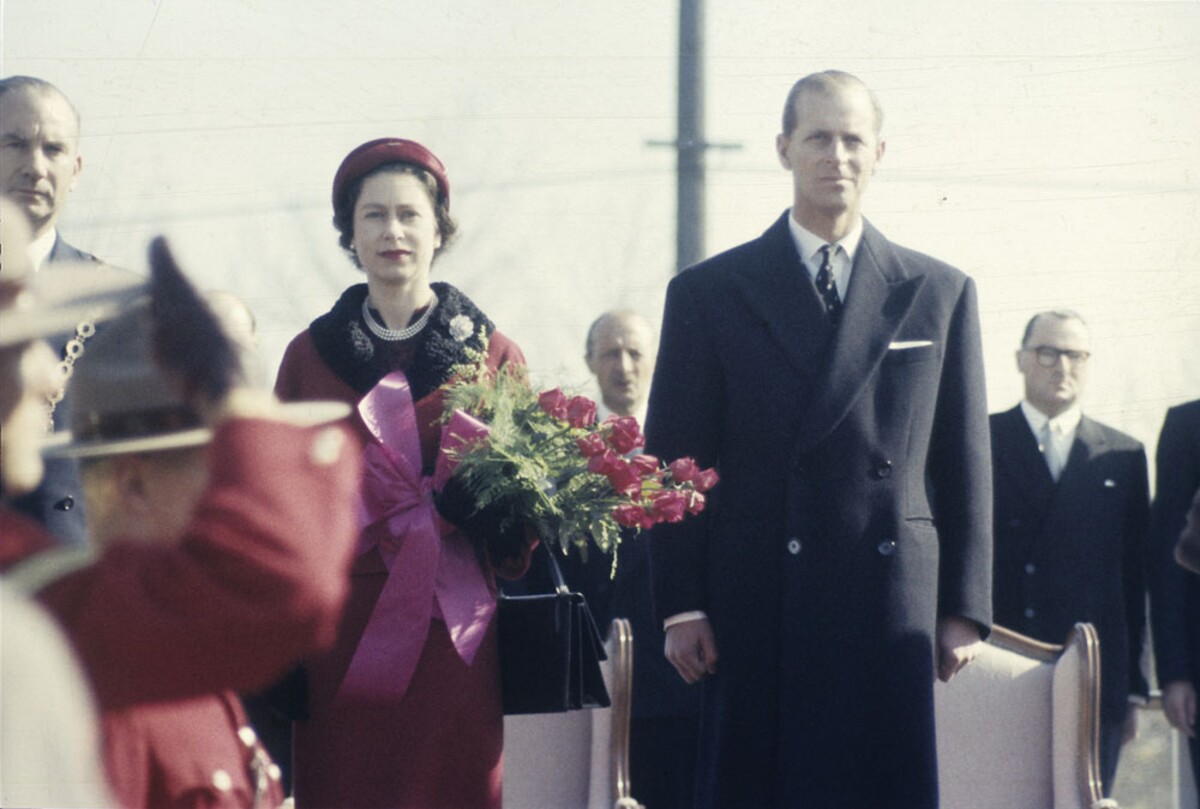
(826, 286)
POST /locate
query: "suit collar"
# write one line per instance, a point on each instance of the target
(43, 249)
(781, 297)
(1090, 441)
(1020, 454)
(807, 243)
(839, 362)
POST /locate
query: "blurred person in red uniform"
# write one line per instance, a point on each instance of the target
(49, 739)
(223, 528)
(406, 710)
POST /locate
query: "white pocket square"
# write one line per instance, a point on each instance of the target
(900, 345)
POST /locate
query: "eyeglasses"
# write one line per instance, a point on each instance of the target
(1048, 356)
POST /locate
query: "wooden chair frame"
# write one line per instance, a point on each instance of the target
(1075, 780)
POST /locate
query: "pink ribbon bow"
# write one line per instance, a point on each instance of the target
(432, 569)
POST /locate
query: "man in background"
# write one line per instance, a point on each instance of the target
(1071, 506)
(620, 352)
(40, 161)
(40, 165)
(1175, 592)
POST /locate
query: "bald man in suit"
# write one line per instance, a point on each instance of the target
(1072, 503)
(40, 164)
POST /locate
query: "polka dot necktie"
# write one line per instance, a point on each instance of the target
(826, 286)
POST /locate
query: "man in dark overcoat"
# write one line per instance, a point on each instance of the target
(836, 381)
(1174, 591)
(1071, 506)
(40, 163)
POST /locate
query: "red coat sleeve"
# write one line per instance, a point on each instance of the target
(258, 581)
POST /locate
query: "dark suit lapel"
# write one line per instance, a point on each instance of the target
(61, 251)
(1089, 442)
(1021, 468)
(1076, 484)
(879, 299)
(777, 290)
(1021, 462)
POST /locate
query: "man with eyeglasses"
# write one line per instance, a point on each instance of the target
(1071, 510)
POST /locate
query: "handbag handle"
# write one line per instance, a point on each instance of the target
(556, 576)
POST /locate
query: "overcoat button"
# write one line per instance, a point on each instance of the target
(222, 781)
(1029, 613)
(887, 547)
(66, 504)
(1015, 522)
(793, 546)
(1030, 569)
(883, 469)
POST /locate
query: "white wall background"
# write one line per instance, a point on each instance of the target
(1050, 149)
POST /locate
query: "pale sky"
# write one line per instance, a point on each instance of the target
(1048, 149)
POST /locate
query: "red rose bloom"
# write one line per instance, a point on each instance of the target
(683, 470)
(624, 479)
(581, 412)
(591, 445)
(603, 463)
(629, 516)
(705, 480)
(554, 403)
(646, 465)
(625, 435)
(669, 505)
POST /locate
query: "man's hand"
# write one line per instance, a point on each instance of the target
(692, 649)
(958, 642)
(1179, 705)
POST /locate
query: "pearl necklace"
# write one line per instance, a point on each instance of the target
(384, 333)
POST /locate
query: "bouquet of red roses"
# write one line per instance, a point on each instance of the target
(543, 459)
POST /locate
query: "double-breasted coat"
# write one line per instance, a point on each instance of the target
(1174, 591)
(1072, 550)
(854, 510)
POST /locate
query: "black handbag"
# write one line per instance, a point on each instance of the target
(550, 651)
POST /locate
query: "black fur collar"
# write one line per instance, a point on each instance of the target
(350, 350)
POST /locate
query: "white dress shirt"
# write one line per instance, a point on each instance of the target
(1062, 431)
(809, 244)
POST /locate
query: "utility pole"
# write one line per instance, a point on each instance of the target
(690, 145)
(689, 195)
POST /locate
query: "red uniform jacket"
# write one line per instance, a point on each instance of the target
(164, 631)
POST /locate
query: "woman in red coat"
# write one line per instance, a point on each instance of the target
(406, 711)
